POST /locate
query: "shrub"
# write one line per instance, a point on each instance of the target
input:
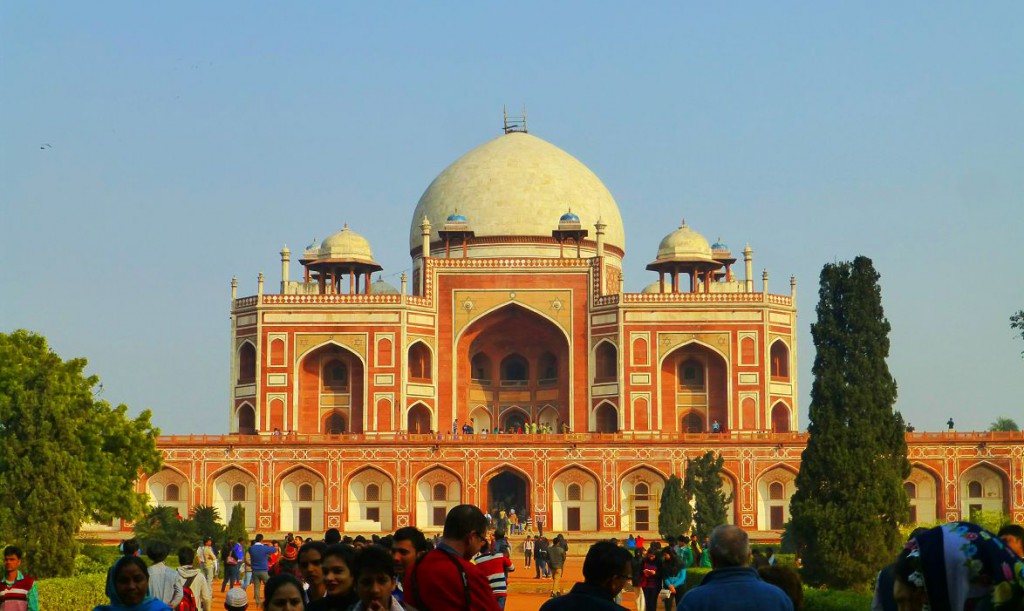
(835, 600)
(73, 593)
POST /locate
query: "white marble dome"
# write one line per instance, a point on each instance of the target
(684, 244)
(517, 185)
(345, 245)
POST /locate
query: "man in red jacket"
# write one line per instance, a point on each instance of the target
(444, 579)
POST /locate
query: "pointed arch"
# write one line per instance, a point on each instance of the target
(420, 362)
(781, 417)
(480, 418)
(419, 419)
(984, 486)
(330, 377)
(245, 419)
(299, 512)
(571, 513)
(605, 418)
(779, 355)
(606, 362)
(772, 512)
(246, 362)
(334, 423)
(161, 487)
(707, 392)
(514, 417)
(638, 511)
(432, 509)
(224, 482)
(924, 505)
(374, 512)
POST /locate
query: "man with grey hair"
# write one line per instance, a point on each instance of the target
(732, 585)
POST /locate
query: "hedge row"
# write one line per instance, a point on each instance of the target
(80, 593)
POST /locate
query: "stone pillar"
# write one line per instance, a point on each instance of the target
(764, 280)
(259, 285)
(748, 262)
(405, 281)
(286, 257)
(234, 288)
(425, 230)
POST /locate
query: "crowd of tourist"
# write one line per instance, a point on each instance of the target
(957, 566)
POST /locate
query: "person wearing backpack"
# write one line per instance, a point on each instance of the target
(197, 594)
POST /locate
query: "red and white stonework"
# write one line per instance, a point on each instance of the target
(344, 391)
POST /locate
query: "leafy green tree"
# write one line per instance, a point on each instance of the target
(65, 456)
(1004, 424)
(675, 514)
(1017, 322)
(704, 475)
(208, 524)
(850, 501)
(236, 525)
(164, 524)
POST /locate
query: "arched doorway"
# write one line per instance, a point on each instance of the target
(506, 491)
(695, 379)
(419, 420)
(780, 418)
(246, 420)
(513, 420)
(606, 419)
(330, 379)
(521, 352)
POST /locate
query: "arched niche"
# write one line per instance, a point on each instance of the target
(227, 486)
(330, 379)
(983, 488)
(438, 490)
(922, 490)
(302, 501)
(775, 488)
(370, 500)
(574, 501)
(169, 488)
(639, 500)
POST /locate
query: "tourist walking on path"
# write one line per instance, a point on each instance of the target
(528, 550)
(17, 592)
(194, 579)
(495, 566)
(259, 555)
(650, 585)
(207, 559)
(556, 557)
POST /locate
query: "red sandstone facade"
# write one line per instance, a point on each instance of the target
(346, 393)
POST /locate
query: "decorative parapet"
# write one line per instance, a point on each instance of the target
(510, 263)
(331, 299)
(626, 298)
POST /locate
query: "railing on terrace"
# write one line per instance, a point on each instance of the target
(738, 437)
(734, 437)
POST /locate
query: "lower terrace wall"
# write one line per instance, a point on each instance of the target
(563, 483)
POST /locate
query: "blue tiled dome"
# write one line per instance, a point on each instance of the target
(569, 217)
(456, 218)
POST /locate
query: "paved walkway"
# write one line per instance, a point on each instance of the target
(525, 592)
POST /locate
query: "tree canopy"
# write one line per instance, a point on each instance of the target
(65, 456)
(850, 501)
(704, 478)
(1004, 424)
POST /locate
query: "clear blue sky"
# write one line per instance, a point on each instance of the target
(150, 151)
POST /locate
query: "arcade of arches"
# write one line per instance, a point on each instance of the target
(594, 488)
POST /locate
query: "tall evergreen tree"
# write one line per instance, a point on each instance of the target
(704, 478)
(675, 514)
(236, 525)
(850, 501)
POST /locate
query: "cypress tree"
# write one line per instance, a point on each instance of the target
(674, 513)
(236, 525)
(704, 477)
(850, 501)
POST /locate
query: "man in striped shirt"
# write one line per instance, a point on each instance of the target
(17, 592)
(495, 566)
